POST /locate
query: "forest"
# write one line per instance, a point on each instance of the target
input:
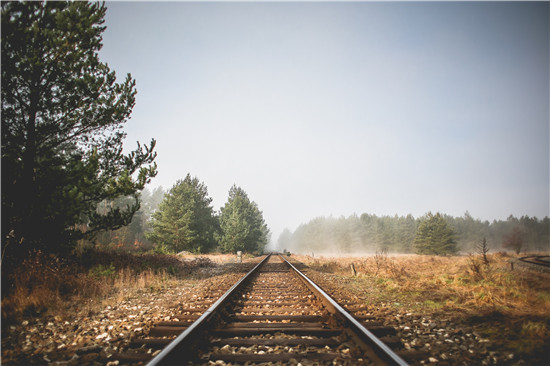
(369, 233)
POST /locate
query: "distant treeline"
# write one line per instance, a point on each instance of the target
(371, 233)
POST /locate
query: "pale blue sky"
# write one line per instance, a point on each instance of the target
(320, 109)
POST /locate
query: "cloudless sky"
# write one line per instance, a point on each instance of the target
(319, 109)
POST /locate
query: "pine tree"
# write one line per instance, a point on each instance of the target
(62, 137)
(435, 236)
(242, 224)
(184, 220)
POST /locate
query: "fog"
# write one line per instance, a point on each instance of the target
(327, 108)
(367, 235)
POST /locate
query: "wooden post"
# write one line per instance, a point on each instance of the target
(353, 271)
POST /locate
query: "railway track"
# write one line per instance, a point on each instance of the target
(536, 262)
(274, 314)
(540, 260)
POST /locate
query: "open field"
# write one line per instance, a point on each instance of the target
(508, 309)
(450, 310)
(458, 283)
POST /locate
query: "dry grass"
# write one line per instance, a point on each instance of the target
(217, 258)
(509, 307)
(451, 283)
(45, 283)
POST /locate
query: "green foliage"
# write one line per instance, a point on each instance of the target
(242, 224)
(435, 236)
(102, 271)
(62, 137)
(162, 249)
(184, 219)
(132, 237)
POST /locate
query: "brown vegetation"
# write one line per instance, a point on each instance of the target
(465, 283)
(45, 283)
(509, 307)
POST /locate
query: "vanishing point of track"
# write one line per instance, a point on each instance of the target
(274, 314)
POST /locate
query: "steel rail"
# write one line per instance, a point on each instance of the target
(380, 349)
(536, 259)
(181, 343)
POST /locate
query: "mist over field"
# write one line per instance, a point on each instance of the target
(368, 234)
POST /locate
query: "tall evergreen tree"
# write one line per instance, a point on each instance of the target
(62, 119)
(184, 220)
(242, 224)
(435, 236)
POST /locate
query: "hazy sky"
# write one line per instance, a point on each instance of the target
(319, 109)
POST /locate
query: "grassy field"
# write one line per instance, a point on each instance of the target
(461, 283)
(509, 307)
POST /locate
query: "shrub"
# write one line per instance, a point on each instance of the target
(101, 271)
(435, 236)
